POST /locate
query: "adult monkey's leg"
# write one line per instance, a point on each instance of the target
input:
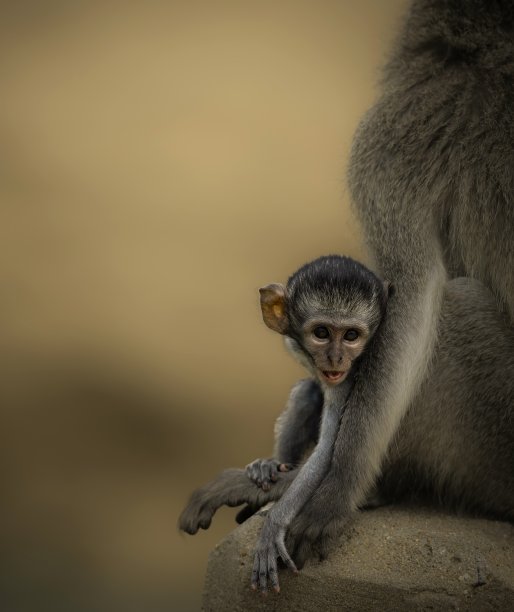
(297, 428)
(456, 443)
(231, 488)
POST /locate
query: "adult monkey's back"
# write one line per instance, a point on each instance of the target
(432, 181)
(432, 167)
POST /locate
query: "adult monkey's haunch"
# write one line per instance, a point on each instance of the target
(432, 180)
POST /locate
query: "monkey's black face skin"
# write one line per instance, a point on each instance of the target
(328, 312)
(329, 358)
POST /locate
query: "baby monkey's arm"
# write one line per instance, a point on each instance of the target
(296, 430)
(271, 543)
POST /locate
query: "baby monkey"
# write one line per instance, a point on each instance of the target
(328, 313)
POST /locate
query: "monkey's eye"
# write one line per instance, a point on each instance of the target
(351, 335)
(321, 332)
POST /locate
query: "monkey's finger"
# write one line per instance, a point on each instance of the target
(273, 472)
(253, 471)
(255, 572)
(284, 555)
(285, 467)
(263, 573)
(265, 475)
(263, 471)
(280, 467)
(273, 570)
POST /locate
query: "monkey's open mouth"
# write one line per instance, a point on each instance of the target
(333, 376)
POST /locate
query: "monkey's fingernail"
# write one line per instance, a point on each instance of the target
(276, 589)
(283, 467)
(254, 587)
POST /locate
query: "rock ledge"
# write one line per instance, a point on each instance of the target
(391, 559)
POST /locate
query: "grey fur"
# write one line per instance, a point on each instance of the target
(432, 180)
(455, 443)
(336, 295)
(296, 430)
(271, 542)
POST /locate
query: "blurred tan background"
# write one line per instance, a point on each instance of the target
(159, 161)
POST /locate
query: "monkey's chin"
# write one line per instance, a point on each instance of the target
(332, 377)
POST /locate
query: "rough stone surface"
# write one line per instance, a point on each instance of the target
(391, 559)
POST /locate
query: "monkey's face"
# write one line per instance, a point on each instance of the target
(326, 325)
(331, 343)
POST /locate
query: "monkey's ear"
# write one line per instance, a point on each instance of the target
(273, 307)
(388, 289)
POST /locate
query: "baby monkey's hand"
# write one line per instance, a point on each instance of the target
(270, 546)
(265, 471)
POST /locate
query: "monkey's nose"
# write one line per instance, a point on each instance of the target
(335, 359)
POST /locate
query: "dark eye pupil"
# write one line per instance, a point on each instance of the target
(321, 333)
(351, 335)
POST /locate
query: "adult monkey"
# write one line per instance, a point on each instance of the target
(432, 180)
